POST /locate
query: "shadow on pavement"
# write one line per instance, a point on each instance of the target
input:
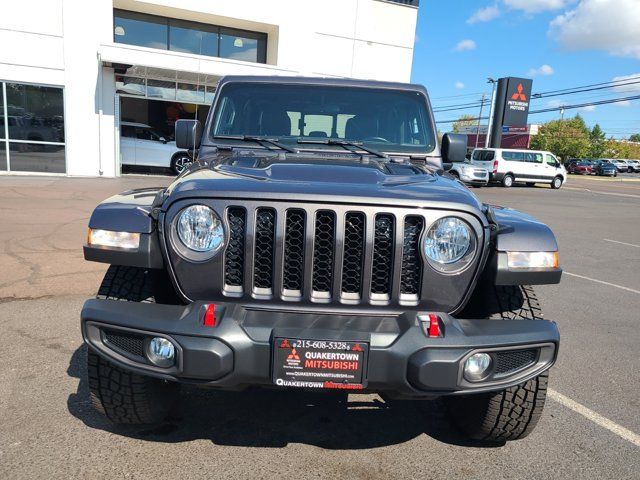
(274, 418)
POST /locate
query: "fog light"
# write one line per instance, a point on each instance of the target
(477, 366)
(161, 352)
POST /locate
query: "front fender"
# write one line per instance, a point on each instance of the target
(130, 211)
(519, 232)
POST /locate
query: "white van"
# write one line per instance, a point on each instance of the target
(507, 166)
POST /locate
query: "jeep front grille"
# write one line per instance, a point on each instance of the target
(321, 254)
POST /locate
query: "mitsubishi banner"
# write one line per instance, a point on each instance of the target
(516, 105)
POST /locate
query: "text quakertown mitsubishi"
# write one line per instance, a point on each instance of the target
(317, 243)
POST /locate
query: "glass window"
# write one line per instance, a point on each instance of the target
(35, 113)
(33, 157)
(244, 46)
(388, 120)
(161, 89)
(130, 85)
(1, 114)
(3, 156)
(488, 155)
(127, 131)
(188, 39)
(533, 157)
(551, 160)
(139, 29)
(190, 93)
(513, 156)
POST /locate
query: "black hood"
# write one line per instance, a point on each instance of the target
(319, 178)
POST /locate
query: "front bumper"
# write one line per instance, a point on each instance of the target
(236, 353)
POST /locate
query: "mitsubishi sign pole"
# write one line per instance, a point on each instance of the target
(511, 107)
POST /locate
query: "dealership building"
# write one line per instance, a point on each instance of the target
(77, 77)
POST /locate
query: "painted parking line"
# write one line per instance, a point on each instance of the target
(628, 195)
(601, 282)
(595, 417)
(621, 243)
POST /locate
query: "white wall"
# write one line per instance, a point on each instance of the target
(57, 42)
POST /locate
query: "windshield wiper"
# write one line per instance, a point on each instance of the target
(345, 144)
(254, 138)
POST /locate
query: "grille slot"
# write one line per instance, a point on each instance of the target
(323, 250)
(234, 255)
(130, 343)
(411, 275)
(510, 362)
(265, 237)
(294, 241)
(354, 245)
(382, 267)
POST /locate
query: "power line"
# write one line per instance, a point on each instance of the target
(555, 109)
(552, 93)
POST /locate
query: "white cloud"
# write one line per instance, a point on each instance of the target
(610, 25)
(459, 85)
(463, 45)
(588, 108)
(542, 70)
(633, 88)
(536, 6)
(484, 14)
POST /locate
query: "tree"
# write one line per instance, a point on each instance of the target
(597, 139)
(568, 138)
(635, 137)
(464, 121)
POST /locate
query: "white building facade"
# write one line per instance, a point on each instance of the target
(71, 71)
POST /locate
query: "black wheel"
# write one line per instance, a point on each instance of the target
(180, 161)
(509, 414)
(122, 396)
(556, 183)
(615, 174)
(507, 181)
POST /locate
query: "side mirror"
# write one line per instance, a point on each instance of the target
(454, 148)
(163, 140)
(188, 134)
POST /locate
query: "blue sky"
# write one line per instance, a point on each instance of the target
(558, 43)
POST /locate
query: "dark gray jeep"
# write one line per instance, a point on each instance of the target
(316, 242)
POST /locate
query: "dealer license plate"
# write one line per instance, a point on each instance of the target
(319, 363)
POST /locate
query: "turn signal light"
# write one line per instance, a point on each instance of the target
(210, 316)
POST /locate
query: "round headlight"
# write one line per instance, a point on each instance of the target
(200, 229)
(449, 244)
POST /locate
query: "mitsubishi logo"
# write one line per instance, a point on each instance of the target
(293, 355)
(519, 95)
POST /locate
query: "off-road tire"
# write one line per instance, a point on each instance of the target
(509, 414)
(125, 397)
(122, 396)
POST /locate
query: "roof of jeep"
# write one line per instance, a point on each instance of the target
(339, 82)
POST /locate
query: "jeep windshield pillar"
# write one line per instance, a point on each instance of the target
(316, 243)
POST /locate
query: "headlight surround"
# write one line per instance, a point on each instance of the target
(449, 245)
(200, 229)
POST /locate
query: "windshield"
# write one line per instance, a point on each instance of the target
(382, 119)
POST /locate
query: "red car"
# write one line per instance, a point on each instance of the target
(580, 167)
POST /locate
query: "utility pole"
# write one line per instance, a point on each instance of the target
(480, 119)
(493, 103)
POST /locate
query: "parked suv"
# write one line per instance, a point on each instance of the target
(469, 174)
(141, 145)
(317, 243)
(527, 166)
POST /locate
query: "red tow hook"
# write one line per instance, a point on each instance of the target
(210, 316)
(432, 324)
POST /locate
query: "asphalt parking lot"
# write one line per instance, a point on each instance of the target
(590, 427)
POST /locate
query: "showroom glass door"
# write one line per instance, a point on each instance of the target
(32, 128)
